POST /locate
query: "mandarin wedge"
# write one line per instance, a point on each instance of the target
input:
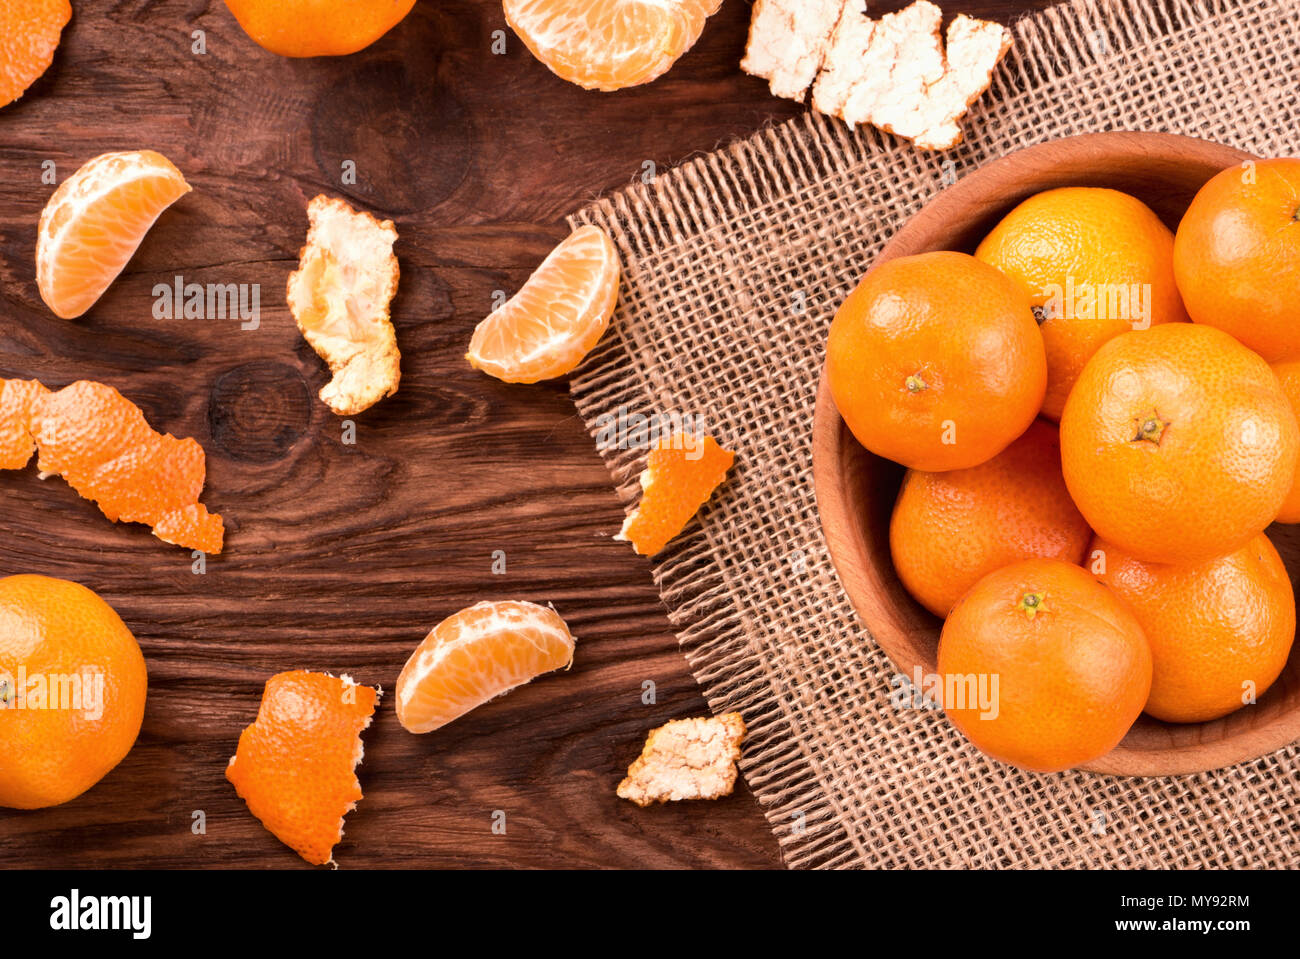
(478, 654)
(295, 765)
(681, 473)
(94, 223)
(609, 44)
(562, 310)
(29, 34)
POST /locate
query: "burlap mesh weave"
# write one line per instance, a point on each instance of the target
(733, 267)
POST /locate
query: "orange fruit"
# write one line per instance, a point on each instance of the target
(1095, 263)
(295, 766)
(935, 361)
(1288, 374)
(548, 327)
(681, 473)
(1063, 663)
(29, 34)
(478, 654)
(94, 223)
(101, 444)
(951, 529)
(1178, 444)
(1237, 256)
(609, 44)
(1220, 631)
(318, 28)
(72, 690)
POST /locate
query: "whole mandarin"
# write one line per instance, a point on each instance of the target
(1237, 256)
(935, 361)
(1065, 666)
(1178, 444)
(950, 529)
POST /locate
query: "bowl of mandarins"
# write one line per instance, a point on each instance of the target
(1055, 454)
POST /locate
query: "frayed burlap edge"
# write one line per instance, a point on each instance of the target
(844, 779)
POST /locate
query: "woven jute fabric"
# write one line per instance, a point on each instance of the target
(733, 267)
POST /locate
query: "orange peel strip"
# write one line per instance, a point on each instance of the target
(295, 766)
(30, 32)
(100, 443)
(681, 474)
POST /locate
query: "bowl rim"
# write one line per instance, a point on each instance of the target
(836, 514)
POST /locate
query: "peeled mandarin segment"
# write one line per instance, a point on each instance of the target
(101, 444)
(680, 475)
(609, 44)
(94, 223)
(339, 296)
(295, 765)
(29, 34)
(478, 654)
(17, 444)
(557, 317)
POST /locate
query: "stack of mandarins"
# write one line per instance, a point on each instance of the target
(1098, 420)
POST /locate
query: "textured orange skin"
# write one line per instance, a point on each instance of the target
(683, 481)
(101, 444)
(54, 627)
(30, 31)
(1094, 236)
(1222, 467)
(295, 764)
(950, 529)
(1072, 678)
(1288, 374)
(1237, 257)
(961, 326)
(1211, 626)
(18, 399)
(318, 28)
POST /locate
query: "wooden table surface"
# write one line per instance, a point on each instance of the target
(341, 557)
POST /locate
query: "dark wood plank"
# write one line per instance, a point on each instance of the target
(342, 557)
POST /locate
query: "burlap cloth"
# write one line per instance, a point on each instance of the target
(733, 266)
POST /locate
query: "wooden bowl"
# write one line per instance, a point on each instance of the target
(856, 489)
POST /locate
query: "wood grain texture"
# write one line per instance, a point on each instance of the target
(341, 557)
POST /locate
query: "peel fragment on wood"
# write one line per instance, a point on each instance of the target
(340, 294)
(895, 73)
(686, 759)
(100, 443)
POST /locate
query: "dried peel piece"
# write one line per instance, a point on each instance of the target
(686, 759)
(295, 765)
(340, 294)
(100, 443)
(681, 473)
(787, 44)
(892, 73)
